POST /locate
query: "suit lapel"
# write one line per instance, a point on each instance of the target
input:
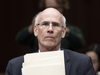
(67, 68)
(67, 62)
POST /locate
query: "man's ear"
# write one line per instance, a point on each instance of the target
(64, 32)
(35, 30)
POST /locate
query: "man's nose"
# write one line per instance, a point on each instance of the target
(50, 28)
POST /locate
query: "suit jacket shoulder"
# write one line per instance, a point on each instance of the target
(78, 63)
(73, 54)
(14, 66)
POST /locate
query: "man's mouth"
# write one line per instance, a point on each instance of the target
(50, 37)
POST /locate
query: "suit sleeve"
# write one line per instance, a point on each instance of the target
(89, 68)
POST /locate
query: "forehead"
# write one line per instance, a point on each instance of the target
(50, 16)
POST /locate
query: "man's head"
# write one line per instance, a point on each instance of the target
(49, 29)
(60, 5)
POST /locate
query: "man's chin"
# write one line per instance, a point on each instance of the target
(49, 45)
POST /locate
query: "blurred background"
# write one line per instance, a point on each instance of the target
(16, 14)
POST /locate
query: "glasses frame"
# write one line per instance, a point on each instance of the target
(46, 24)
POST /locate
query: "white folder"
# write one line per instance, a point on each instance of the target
(45, 63)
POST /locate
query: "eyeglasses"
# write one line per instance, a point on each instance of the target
(46, 24)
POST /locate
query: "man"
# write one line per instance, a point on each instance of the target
(73, 40)
(49, 29)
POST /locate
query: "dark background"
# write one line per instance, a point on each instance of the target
(16, 14)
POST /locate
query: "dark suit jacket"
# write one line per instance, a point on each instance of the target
(75, 64)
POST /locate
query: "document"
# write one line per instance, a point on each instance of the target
(45, 63)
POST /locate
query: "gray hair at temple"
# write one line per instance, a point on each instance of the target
(36, 19)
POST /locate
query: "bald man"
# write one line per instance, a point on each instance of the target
(50, 28)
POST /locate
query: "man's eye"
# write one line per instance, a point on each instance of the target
(55, 24)
(45, 24)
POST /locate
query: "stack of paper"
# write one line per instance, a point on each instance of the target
(44, 63)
